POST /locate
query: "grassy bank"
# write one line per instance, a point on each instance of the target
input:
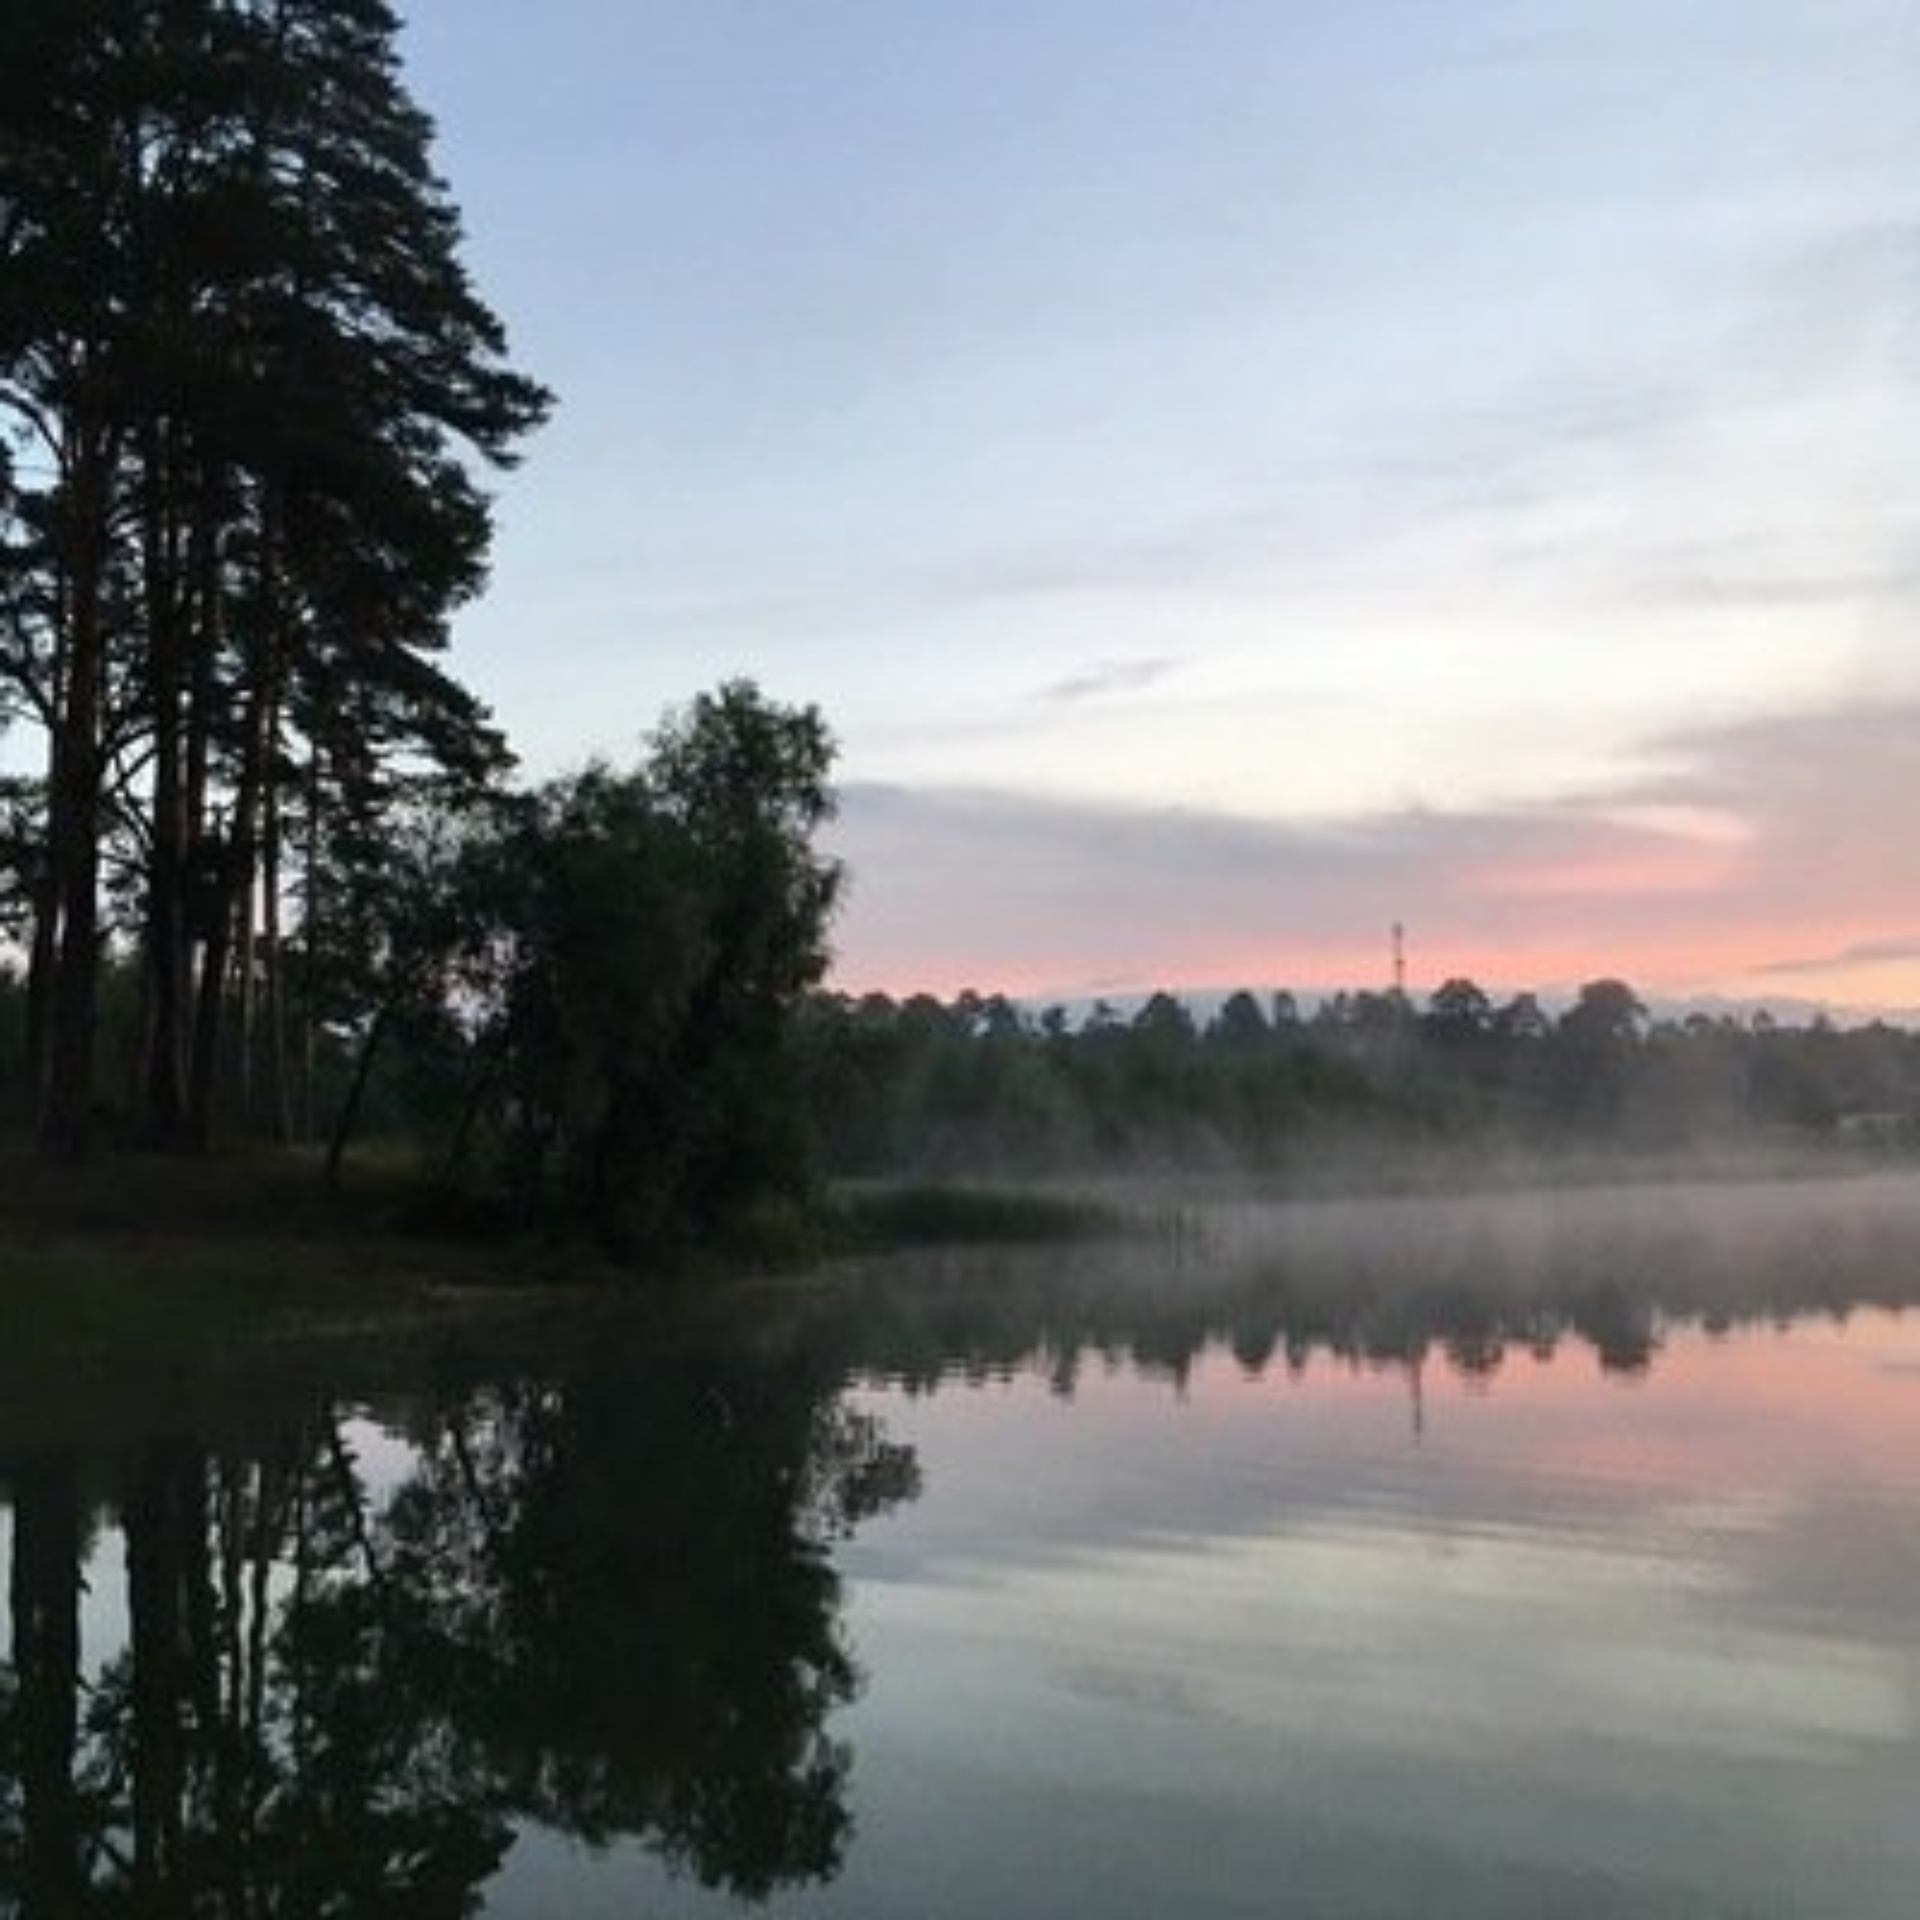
(142, 1290)
(160, 1257)
(874, 1217)
(169, 1258)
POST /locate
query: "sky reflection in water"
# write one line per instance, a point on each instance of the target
(1578, 1647)
(1105, 1586)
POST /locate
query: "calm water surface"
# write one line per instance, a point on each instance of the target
(1544, 1558)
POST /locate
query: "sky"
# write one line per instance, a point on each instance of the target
(1237, 474)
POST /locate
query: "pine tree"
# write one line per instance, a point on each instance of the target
(253, 389)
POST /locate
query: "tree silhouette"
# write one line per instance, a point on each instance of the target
(250, 376)
(602, 1600)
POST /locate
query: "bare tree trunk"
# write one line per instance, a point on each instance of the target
(246, 974)
(73, 803)
(205, 920)
(46, 937)
(216, 949)
(310, 930)
(250, 801)
(279, 1088)
(349, 1115)
(168, 960)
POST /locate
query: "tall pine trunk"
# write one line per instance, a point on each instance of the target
(167, 956)
(74, 817)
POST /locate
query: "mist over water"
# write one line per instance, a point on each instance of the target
(1510, 1553)
(1465, 1277)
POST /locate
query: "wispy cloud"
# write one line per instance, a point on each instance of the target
(1108, 677)
(1862, 953)
(1839, 588)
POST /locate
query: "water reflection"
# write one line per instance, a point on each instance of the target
(606, 1604)
(373, 1641)
(1462, 1285)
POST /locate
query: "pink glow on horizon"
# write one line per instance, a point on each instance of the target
(1704, 959)
(1764, 862)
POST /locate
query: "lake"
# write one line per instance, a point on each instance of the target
(1514, 1556)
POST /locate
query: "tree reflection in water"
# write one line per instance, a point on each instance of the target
(602, 1598)
(1396, 1305)
(605, 1604)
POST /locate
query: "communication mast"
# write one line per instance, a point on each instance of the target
(1399, 959)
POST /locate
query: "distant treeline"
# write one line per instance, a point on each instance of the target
(478, 1035)
(980, 1085)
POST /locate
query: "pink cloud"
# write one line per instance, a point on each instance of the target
(1759, 844)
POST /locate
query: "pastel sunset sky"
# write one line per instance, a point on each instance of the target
(1238, 473)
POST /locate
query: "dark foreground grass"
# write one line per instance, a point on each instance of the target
(142, 1291)
(149, 1277)
(155, 1261)
(261, 1218)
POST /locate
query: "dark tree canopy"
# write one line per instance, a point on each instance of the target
(1364, 1091)
(247, 391)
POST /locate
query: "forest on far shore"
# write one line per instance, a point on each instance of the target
(506, 1075)
(979, 1085)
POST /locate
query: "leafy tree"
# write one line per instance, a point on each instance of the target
(641, 945)
(1522, 1020)
(1608, 1013)
(1240, 1026)
(1458, 1009)
(745, 780)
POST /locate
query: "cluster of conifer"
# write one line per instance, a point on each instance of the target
(246, 389)
(979, 1085)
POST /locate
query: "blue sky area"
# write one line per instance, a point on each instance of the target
(1237, 474)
